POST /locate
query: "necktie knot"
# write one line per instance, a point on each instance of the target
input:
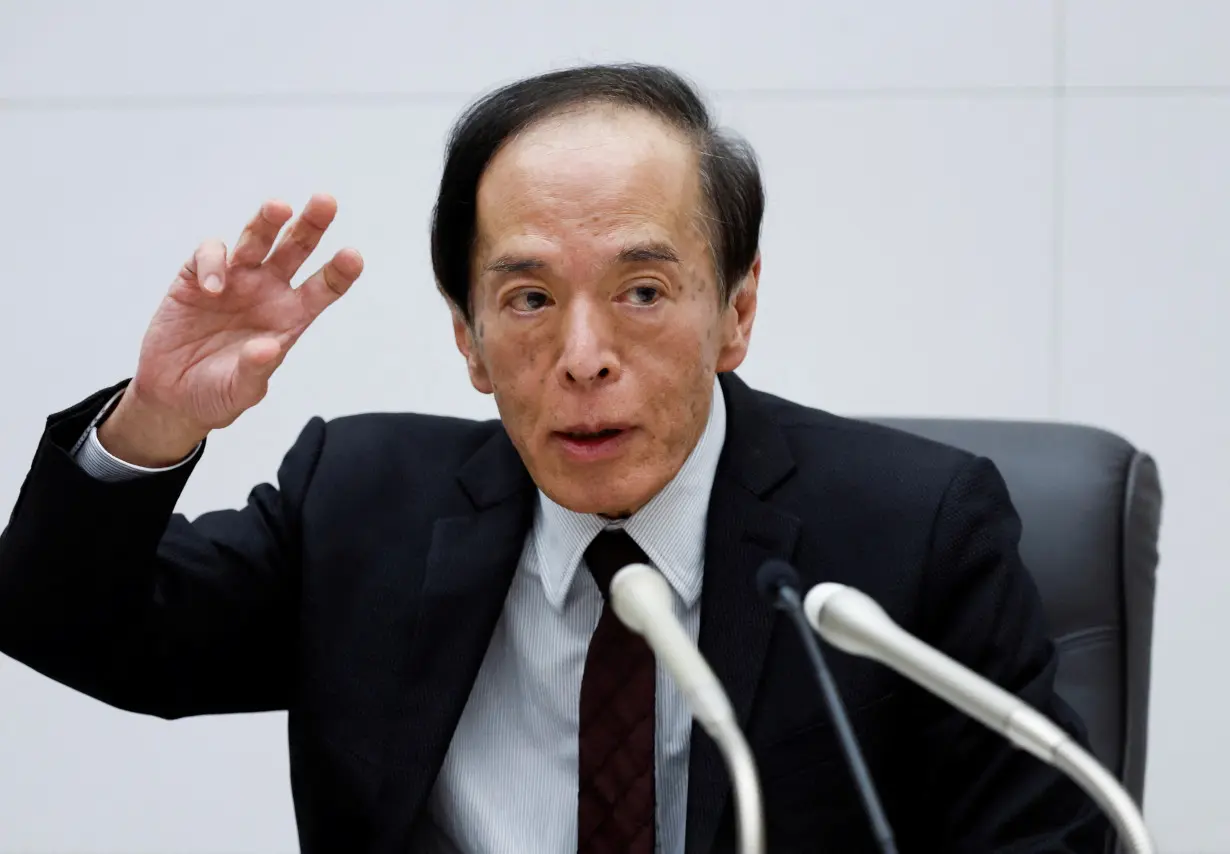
(610, 552)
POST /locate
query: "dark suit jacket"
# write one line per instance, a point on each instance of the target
(361, 592)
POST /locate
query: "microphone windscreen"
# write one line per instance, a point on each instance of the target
(773, 576)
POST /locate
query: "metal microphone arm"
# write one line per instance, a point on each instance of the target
(778, 584)
(880, 827)
(852, 621)
(642, 600)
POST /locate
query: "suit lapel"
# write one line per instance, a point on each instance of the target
(743, 531)
(470, 565)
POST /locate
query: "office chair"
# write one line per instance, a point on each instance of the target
(1090, 505)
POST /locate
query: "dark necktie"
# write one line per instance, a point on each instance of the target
(615, 810)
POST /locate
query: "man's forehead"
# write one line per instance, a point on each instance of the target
(636, 235)
(588, 193)
(603, 184)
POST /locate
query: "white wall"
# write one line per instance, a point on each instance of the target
(1013, 209)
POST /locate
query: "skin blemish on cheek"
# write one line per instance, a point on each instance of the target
(530, 353)
(695, 285)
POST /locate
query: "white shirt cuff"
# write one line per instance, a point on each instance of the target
(100, 464)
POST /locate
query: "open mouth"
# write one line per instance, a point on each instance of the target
(593, 445)
(595, 436)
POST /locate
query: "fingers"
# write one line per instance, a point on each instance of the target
(208, 266)
(330, 281)
(258, 236)
(298, 243)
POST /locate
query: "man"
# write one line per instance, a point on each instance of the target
(426, 595)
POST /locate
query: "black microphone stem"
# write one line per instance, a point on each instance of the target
(788, 601)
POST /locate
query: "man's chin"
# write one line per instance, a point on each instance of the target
(600, 507)
(591, 498)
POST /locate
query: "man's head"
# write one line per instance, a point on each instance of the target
(597, 238)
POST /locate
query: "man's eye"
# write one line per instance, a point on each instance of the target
(529, 301)
(645, 294)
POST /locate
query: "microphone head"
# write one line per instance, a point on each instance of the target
(639, 595)
(774, 575)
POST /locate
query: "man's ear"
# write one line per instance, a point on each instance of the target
(738, 315)
(471, 349)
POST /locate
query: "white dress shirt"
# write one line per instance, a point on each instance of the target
(509, 779)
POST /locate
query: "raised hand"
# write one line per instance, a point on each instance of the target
(223, 328)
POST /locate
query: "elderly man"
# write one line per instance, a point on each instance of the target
(426, 596)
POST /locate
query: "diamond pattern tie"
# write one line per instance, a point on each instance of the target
(615, 810)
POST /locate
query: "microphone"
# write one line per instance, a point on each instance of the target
(854, 622)
(642, 600)
(778, 583)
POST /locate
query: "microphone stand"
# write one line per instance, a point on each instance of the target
(852, 621)
(788, 600)
(741, 766)
(642, 600)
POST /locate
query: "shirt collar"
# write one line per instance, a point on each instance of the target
(670, 528)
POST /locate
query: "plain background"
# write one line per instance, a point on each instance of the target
(1000, 209)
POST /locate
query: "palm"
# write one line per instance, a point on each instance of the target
(195, 341)
(208, 356)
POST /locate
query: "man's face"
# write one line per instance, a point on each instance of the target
(597, 321)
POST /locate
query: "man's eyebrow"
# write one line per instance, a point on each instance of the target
(514, 264)
(644, 252)
(640, 253)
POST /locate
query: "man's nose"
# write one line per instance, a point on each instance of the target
(588, 356)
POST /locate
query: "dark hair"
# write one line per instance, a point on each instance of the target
(730, 176)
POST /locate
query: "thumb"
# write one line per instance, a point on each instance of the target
(258, 359)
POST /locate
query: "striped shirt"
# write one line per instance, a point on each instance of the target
(509, 779)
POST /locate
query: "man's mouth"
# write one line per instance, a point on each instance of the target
(591, 435)
(588, 443)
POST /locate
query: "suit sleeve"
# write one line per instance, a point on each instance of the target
(982, 608)
(104, 588)
(96, 461)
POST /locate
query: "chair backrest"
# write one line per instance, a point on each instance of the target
(1090, 505)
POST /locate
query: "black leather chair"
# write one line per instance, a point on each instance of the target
(1090, 505)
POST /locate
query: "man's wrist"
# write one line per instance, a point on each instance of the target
(146, 437)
